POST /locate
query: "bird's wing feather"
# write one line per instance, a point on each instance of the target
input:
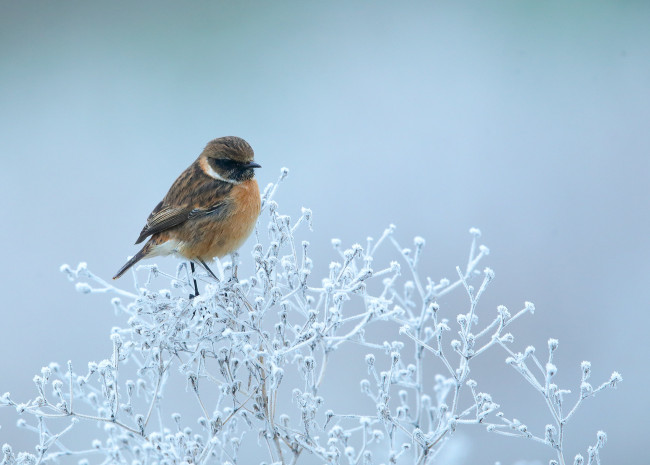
(163, 218)
(214, 209)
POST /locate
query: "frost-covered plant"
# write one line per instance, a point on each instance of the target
(241, 344)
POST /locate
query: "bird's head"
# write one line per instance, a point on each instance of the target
(229, 159)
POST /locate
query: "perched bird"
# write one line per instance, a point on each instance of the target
(210, 209)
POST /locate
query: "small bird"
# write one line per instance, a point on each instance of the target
(210, 209)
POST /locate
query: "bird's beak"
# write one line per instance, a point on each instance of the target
(252, 165)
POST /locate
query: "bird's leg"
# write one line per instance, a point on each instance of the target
(207, 268)
(196, 287)
(235, 262)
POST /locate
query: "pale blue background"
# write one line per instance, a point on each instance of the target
(527, 119)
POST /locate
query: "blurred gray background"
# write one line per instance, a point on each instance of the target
(527, 119)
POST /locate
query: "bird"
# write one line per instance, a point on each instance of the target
(209, 210)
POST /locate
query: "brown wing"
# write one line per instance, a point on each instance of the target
(168, 217)
(163, 218)
(192, 196)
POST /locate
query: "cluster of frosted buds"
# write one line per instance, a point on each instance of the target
(555, 398)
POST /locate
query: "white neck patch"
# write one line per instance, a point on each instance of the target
(207, 169)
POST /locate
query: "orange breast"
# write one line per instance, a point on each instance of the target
(216, 237)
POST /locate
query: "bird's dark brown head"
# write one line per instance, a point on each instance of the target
(230, 159)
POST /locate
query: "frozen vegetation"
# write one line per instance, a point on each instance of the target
(241, 347)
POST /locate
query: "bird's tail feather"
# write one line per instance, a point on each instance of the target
(132, 261)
